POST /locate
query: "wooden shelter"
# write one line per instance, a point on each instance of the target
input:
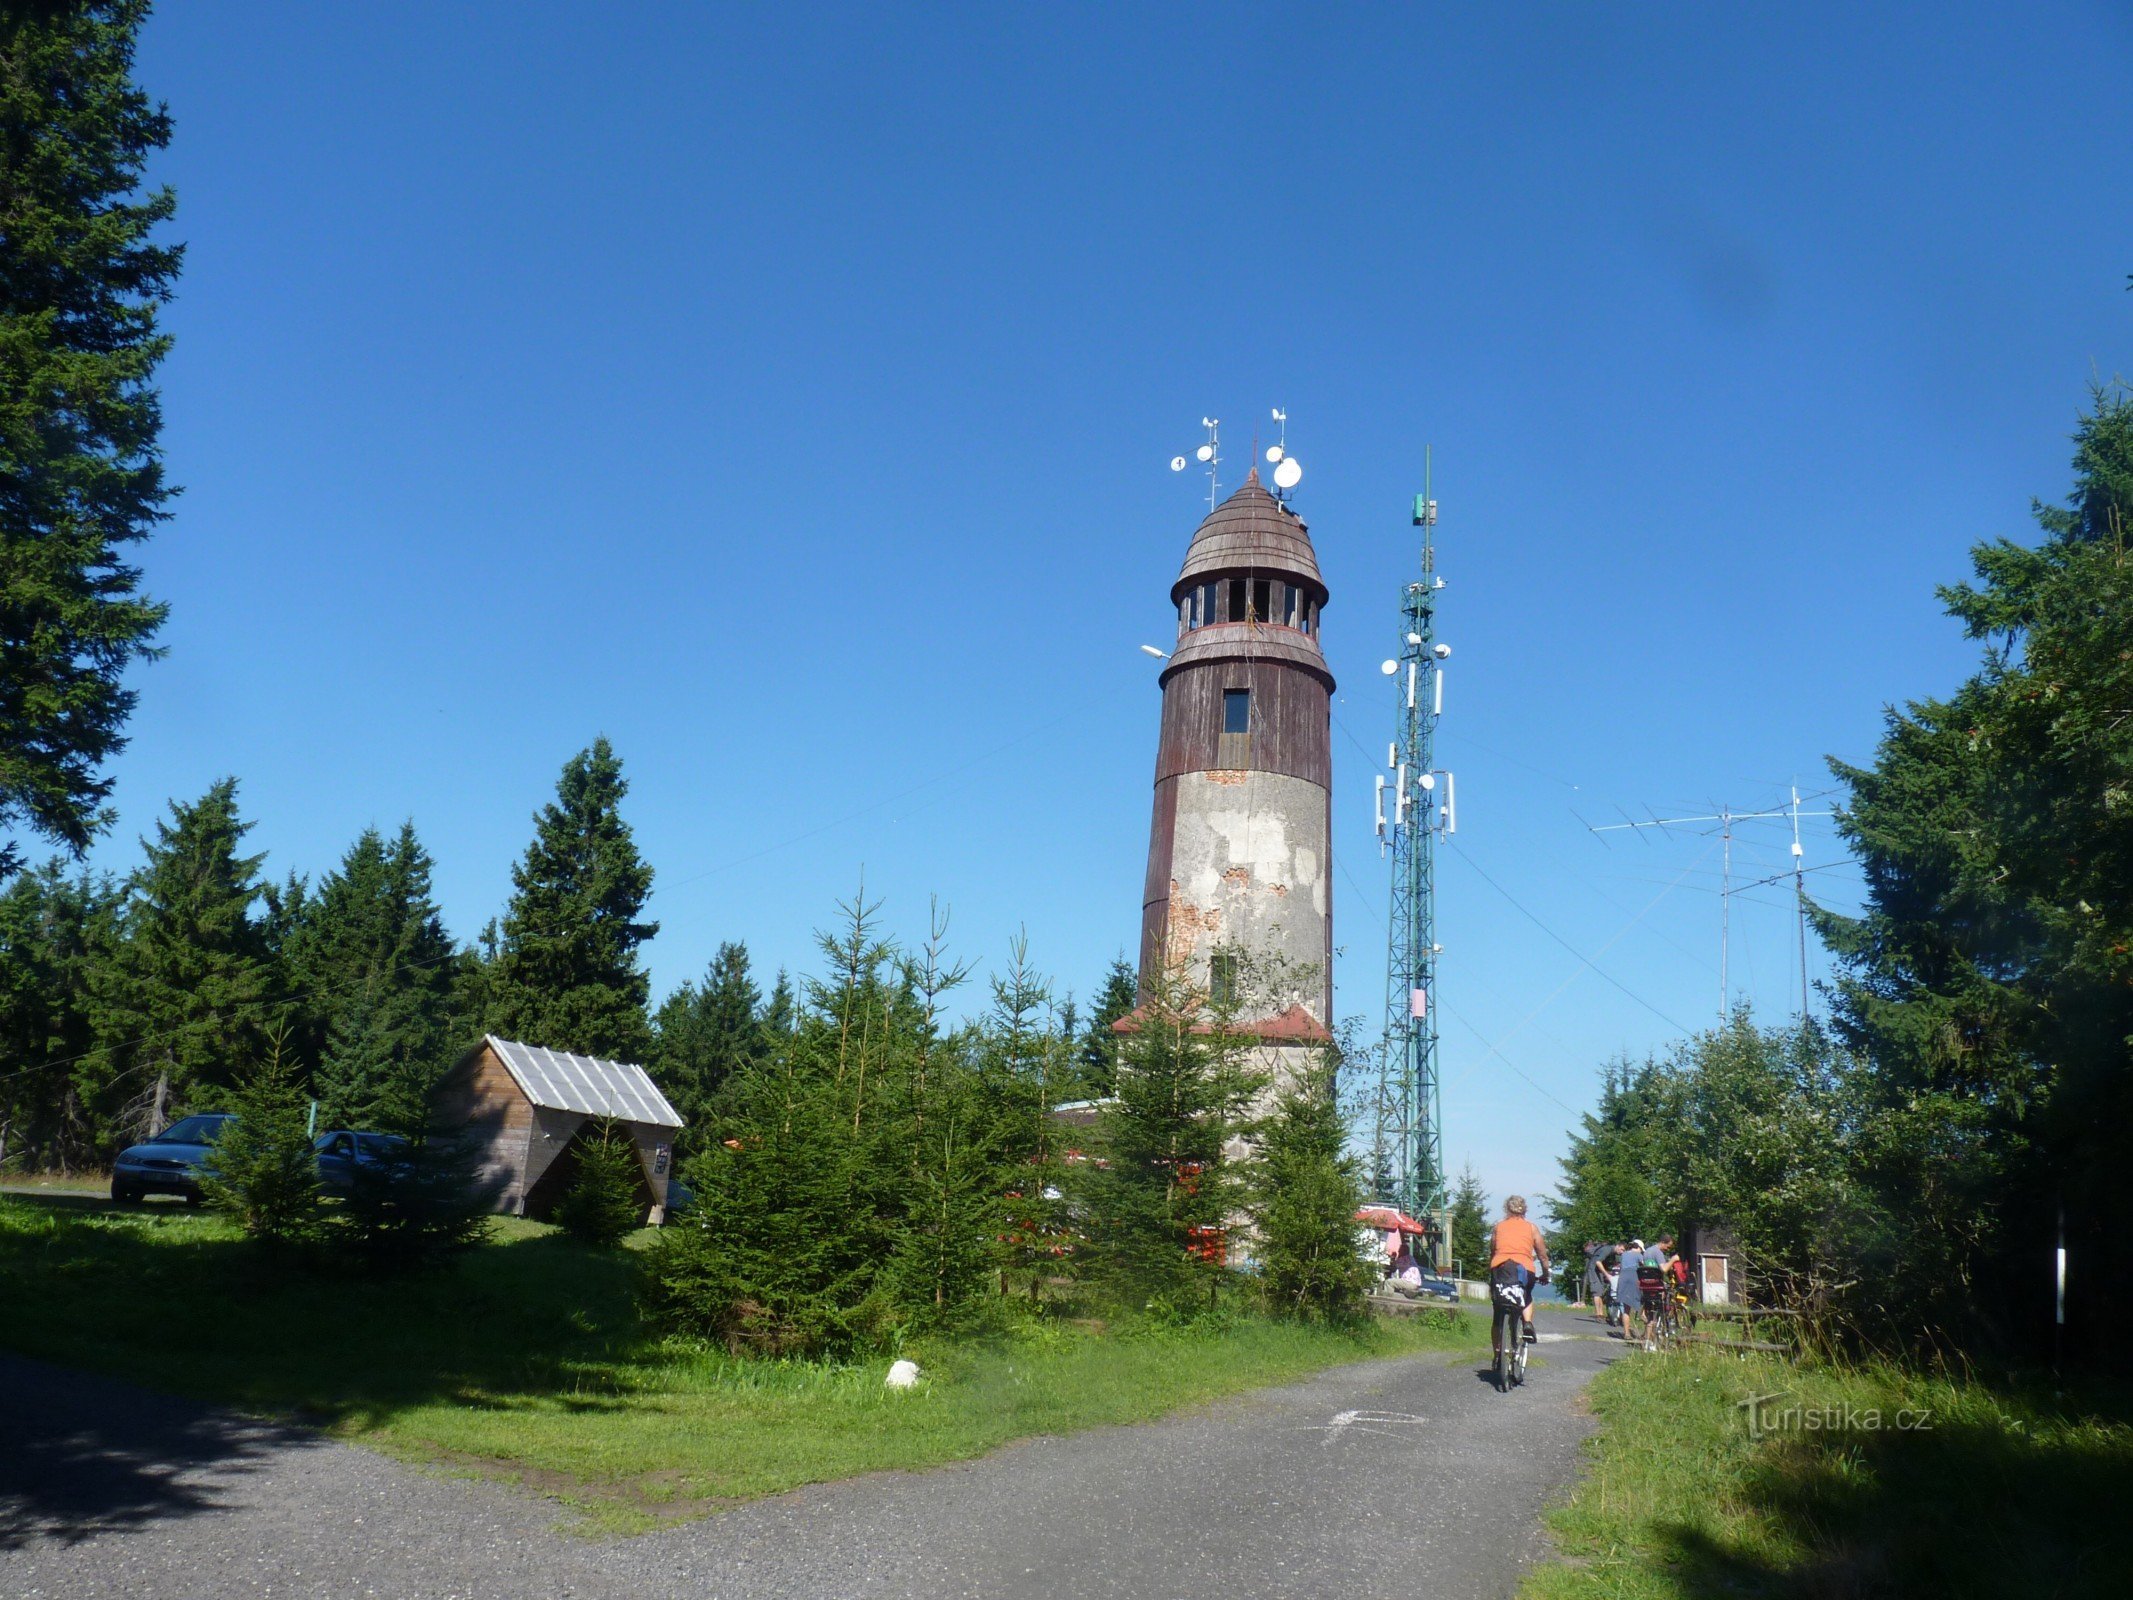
(523, 1107)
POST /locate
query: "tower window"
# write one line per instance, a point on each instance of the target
(1236, 601)
(1233, 750)
(1222, 978)
(1263, 600)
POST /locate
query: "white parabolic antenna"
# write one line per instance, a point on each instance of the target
(1177, 463)
(1288, 475)
(1206, 452)
(1273, 452)
(1389, 668)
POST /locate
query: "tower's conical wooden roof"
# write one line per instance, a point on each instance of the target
(1250, 532)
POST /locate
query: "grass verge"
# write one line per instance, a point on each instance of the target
(527, 1362)
(1857, 1482)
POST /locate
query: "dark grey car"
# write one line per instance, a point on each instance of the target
(345, 1156)
(169, 1163)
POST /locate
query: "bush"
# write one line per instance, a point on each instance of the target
(602, 1203)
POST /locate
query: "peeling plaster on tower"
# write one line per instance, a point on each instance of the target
(1240, 850)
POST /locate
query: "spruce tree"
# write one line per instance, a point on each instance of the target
(55, 927)
(1115, 997)
(566, 972)
(937, 1159)
(781, 1011)
(376, 970)
(262, 1170)
(602, 1204)
(1160, 1205)
(81, 474)
(705, 1033)
(1989, 978)
(1308, 1188)
(1026, 1066)
(189, 991)
(1470, 1227)
(784, 1250)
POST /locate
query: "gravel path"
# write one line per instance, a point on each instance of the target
(1396, 1478)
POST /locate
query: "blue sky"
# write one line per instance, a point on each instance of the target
(787, 395)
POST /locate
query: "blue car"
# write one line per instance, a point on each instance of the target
(344, 1155)
(171, 1162)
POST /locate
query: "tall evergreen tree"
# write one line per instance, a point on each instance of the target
(1990, 979)
(1471, 1223)
(781, 1011)
(566, 972)
(189, 991)
(705, 1033)
(376, 970)
(81, 474)
(54, 928)
(1115, 997)
(1617, 1177)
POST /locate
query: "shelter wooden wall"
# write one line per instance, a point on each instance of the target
(481, 1096)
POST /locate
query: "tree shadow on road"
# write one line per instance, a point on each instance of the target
(80, 1456)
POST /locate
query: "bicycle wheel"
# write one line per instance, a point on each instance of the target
(1503, 1355)
(1518, 1361)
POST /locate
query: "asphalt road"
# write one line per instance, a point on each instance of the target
(1405, 1478)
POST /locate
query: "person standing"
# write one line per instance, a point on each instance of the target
(1597, 1284)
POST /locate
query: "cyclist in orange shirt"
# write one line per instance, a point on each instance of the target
(1517, 1246)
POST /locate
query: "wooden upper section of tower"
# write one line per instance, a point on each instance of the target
(1251, 532)
(1250, 563)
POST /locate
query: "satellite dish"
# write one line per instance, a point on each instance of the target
(1389, 668)
(1414, 638)
(1288, 475)
(1273, 452)
(1428, 780)
(1206, 452)
(1177, 463)
(1280, 415)
(1442, 652)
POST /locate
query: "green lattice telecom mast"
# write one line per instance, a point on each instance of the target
(1413, 802)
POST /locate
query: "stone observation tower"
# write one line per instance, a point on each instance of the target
(1240, 852)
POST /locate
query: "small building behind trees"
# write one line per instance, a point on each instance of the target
(526, 1107)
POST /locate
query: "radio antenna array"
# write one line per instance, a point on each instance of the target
(1415, 802)
(1726, 818)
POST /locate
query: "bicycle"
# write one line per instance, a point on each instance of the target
(1677, 1315)
(1507, 1336)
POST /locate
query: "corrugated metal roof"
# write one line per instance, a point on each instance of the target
(564, 1082)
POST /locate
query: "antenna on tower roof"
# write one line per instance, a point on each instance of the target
(1288, 472)
(1209, 455)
